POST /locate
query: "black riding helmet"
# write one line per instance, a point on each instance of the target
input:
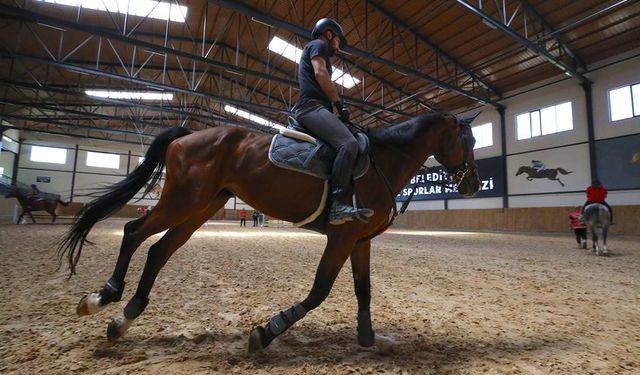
(325, 24)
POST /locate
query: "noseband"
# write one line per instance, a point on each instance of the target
(457, 175)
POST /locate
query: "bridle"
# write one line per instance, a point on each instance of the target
(460, 172)
(455, 176)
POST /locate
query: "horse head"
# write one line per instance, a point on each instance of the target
(458, 159)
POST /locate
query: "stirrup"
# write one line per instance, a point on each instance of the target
(362, 214)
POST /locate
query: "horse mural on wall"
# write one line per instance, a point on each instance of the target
(548, 173)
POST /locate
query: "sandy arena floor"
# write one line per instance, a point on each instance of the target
(455, 303)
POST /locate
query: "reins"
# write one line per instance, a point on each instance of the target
(454, 178)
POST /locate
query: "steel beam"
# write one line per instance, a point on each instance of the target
(297, 30)
(439, 52)
(570, 69)
(27, 16)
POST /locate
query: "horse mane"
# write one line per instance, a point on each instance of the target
(404, 132)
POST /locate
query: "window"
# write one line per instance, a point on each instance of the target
(48, 154)
(294, 54)
(142, 8)
(102, 160)
(1, 171)
(549, 120)
(483, 135)
(624, 102)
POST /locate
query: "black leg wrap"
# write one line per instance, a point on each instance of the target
(111, 291)
(135, 307)
(285, 319)
(365, 332)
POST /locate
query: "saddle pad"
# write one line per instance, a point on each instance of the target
(308, 158)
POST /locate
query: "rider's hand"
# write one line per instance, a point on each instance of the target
(342, 110)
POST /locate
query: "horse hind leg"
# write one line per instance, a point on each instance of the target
(114, 287)
(605, 250)
(135, 233)
(158, 255)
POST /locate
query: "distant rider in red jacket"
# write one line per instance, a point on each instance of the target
(596, 193)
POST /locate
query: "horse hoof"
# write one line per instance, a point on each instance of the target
(255, 340)
(113, 331)
(384, 344)
(89, 304)
(118, 327)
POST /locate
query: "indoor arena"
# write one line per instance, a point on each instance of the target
(320, 187)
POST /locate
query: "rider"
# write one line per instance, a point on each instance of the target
(537, 165)
(314, 111)
(596, 193)
(32, 195)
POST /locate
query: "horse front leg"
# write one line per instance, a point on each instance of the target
(337, 250)
(360, 266)
(114, 287)
(361, 269)
(20, 217)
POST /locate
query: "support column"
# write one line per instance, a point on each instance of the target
(73, 174)
(590, 129)
(503, 146)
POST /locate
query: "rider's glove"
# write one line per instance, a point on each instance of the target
(342, 110)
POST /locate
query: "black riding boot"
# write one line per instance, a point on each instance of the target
(341, 212)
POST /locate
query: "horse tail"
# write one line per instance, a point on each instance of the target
(63, 202)
(117, 195)
(561, 170)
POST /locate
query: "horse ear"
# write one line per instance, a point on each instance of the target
(469, 119)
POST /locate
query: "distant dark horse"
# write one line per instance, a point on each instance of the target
(551, 174)
(206, 168)
(598, 219)
(30, 204)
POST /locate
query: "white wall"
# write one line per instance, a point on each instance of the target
(568, 150)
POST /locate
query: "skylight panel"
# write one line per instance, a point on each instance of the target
(293, 53)
(141, 8)
(141, 95)
(252, 117)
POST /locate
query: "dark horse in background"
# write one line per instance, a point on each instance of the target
(551, 174)
(206, 168)
(598, 218)
(30, 204)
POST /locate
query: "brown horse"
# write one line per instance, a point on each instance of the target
(30, 204)
(204, 169)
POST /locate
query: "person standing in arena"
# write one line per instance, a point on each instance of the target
(314, 110)
(578, 227)
(243, 217)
